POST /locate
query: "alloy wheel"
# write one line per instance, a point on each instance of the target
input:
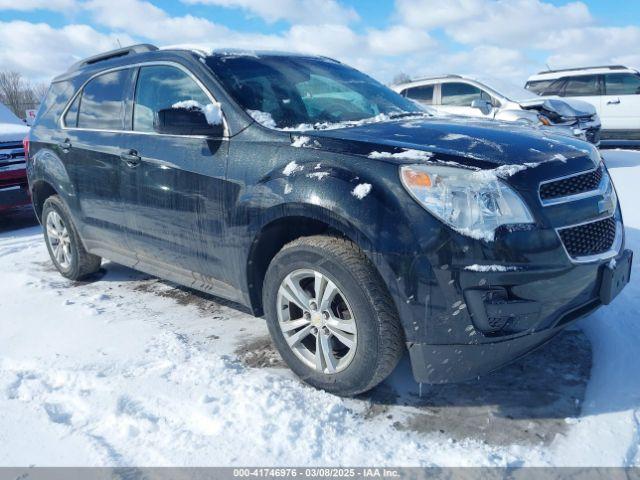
(316, 321)
(58, 239)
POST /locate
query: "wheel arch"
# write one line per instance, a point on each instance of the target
(306, 221)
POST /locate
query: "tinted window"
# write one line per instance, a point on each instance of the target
(160, 88)
(298, 92)
(461, 94)
(422, 94)
(582, 86)
(539, 87)
(71, 117)
(102, 103)
(622, 84)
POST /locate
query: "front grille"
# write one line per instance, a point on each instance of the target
(584, 182)
(593, 135)
(589, 239)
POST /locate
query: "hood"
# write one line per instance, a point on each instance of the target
(12, 132)
(565, 107)
(476, 143)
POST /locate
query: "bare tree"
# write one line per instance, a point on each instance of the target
(401, 78)
(12, 91)
(20, 95)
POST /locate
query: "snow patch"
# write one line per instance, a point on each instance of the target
(407, 154)
(489, 268)
(291, 168)
(361, 190)
(300, 141)
(318, 175)
(263, 118)
(212, 111)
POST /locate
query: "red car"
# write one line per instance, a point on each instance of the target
(14, 191)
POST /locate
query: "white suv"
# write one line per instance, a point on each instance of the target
(497, 99)
(613, 90)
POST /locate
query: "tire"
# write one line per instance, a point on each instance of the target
(359, 298)
(74, 262)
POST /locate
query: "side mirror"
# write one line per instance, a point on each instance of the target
(483, 105)
(191, 120)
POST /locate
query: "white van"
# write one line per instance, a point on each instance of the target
(614, 91)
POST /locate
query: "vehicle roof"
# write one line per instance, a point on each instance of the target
(555, 74)
(145, 52)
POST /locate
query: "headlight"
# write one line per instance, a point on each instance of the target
(474, 203)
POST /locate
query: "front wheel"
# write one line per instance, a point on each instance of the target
(63, 242)
(330, 316)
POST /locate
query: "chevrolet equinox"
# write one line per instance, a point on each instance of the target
(359, 225)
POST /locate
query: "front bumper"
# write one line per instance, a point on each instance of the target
(589, 131)
(504, 330)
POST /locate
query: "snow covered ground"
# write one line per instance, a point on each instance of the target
(130, 370)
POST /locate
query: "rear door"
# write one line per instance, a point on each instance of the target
(621, 101)
(92, 129)
(173, 186)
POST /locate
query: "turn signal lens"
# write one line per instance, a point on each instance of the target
(416, 179)
(544, 120)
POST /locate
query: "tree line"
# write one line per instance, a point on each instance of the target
(20, 95)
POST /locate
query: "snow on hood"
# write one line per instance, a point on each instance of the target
(11, 132)
(477, 143)
(11, 128)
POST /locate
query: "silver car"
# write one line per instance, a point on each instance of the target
(499, 100)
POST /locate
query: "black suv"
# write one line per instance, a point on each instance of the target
(358, 224)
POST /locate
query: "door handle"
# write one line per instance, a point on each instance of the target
(131, 158)
(613, 102)
(65, 146)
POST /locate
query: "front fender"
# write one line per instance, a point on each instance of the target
(359, 203)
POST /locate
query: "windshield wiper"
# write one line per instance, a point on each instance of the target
(408, 114)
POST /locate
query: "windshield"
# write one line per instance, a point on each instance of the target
(300, 93)
(6, 116)
(505, 88)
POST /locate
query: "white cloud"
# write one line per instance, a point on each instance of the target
(399, 40)
(295, 11)
(28, 5)
(40, 51)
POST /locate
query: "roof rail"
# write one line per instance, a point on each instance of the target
(610, 67)
(434, 77)
(120, 52)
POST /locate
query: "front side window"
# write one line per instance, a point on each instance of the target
(422, 94)
(160, 88)
(102, 102)
(461, 94)
(539, 87)
(582, 86)
(304, 92)
(622, 84)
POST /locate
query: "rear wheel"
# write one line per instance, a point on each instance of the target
(63, 242)
(330, 316)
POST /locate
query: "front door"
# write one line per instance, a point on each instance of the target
(173, 185)
(456, 99)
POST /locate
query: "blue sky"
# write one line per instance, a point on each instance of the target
(506, 38)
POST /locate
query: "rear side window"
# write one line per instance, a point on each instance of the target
(102, 102)
(423, 94)
(621, 84)
(461, 94)
(582, 86)
(162, 87)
